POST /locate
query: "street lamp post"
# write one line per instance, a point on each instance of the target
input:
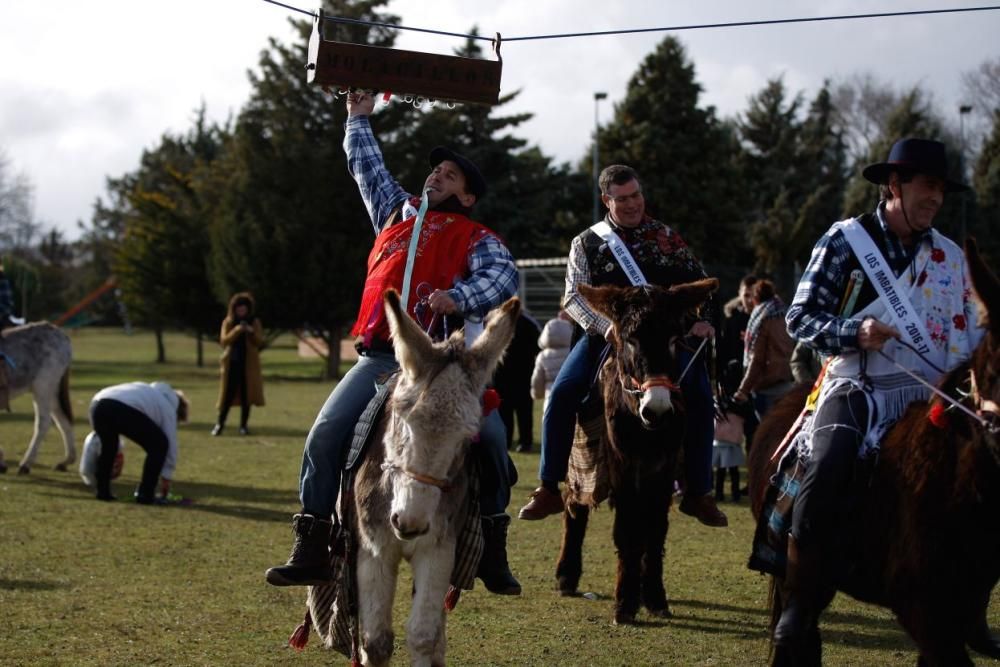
(597, 198)
(962, 110)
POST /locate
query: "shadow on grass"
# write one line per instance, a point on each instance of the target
(72, 488)
(232, 429)
(882, 634)
(233, 511)
(29, 585)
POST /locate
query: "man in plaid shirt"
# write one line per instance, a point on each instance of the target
(664, 260)
(461, 268)
(863, 393)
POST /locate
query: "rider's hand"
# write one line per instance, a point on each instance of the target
(360, 103)
(441, 302)
(702, 329)
(873, 334)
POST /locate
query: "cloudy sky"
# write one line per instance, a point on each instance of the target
(86, 86)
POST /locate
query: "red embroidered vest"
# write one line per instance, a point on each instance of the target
(441, 260)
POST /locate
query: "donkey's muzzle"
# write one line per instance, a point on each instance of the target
(405, 531)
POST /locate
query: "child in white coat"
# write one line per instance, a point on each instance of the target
(554, 343)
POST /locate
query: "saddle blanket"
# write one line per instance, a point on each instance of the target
(587, 479)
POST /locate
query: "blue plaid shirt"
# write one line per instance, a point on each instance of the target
(493, 276)
(812, 317)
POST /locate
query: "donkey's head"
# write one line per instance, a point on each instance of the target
(648, 323)
(436, 410)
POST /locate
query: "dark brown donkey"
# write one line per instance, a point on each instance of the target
(643, 428)
(928, 543)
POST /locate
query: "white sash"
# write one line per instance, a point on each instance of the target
(900, 309)
(621, 253)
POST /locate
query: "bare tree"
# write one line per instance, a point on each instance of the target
(864, 104)
(18, 228)
(981, 91)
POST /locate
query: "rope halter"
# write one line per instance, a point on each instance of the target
(443, 484)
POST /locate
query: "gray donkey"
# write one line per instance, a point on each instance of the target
(36, 357)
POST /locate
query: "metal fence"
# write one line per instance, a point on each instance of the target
(543, 282)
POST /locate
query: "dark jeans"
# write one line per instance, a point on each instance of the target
(235, 381)
(559, 419)
(519, 405)
(839, 428)
(571, 387)
(111, 419)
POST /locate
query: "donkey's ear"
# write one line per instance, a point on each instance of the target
(488, 349)
(692, 295)
(985, 283)
(601, 299)
(412, 346)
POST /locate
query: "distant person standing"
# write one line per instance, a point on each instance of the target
(767, 375)
(555, 343)
(513, 382)
(241, 383)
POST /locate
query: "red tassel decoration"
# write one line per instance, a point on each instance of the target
(938, 416)
(491, 401)
(300, 637)
(451, 598)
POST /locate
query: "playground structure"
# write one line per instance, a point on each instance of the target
(108, 285)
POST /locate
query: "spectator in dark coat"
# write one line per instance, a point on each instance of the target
(513, 382)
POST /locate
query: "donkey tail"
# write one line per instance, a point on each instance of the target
(64, 403)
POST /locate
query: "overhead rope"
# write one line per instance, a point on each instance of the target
(629, 31)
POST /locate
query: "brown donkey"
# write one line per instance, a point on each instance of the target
(643, 436)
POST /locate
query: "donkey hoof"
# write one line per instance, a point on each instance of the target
(61, 467)
(567, 589)
(624, 618)
(23, 469)
(661, 613)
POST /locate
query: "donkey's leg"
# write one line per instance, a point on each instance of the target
(938, 633)
(425, 630)
(570, 565)
(64, 423)
(628, 532)
(43, 419)
(657, 498)
(64, 418)
(376, 588)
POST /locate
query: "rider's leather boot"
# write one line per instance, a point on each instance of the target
(493, 567)
(309, 562)
(801, 605)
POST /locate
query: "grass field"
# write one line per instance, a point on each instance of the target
(90, 583)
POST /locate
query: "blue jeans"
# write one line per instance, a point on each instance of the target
(559, 418)
(331, 434)
(571, 387)
(700, 431)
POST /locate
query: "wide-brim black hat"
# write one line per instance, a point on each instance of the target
(474, 181)
(920, 156)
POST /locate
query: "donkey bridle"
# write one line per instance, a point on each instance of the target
(651, 381)
(443, 484)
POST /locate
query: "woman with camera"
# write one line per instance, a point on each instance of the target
(242, 336)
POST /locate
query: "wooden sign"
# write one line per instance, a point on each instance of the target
(444, 78)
